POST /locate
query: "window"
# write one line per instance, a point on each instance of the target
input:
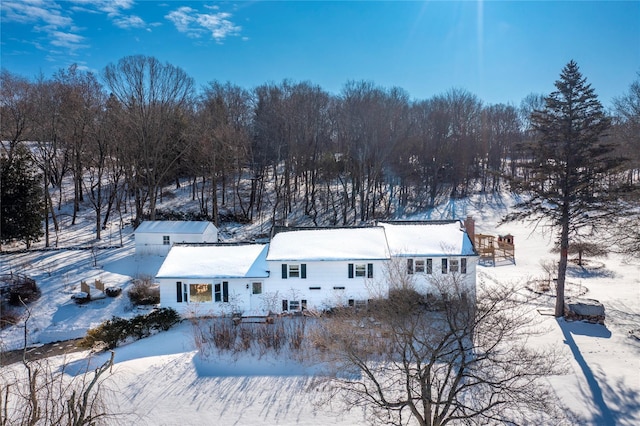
(294, 305)
(419, 266)
(221, 292)
(166, 240)
(314, 288)
(454, 266)
(357, 303)
(294, 271)
(463, 265)
(429, 266)
(444, 266)
(256, 288)
(200, 293)
(338, 288)
(360, 270)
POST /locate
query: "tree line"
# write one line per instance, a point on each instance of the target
(368, 152)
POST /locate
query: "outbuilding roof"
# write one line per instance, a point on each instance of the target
(444, 238)
(215, 261)
(173, 227)
(329, 244)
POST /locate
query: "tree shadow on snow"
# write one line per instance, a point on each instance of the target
(576, 271)
(604, 416)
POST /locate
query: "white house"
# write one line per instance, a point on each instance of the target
(315, 268)
(322, 268)
(157, 236)
(428, 252)
(213, 279)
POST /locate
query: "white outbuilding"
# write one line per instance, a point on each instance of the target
(157, 236)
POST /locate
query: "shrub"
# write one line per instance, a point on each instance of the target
(163, 319)
(144, 292)
(111, 332)
(117, 330)
(23, 291)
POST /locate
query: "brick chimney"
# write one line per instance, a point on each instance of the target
(470, 227)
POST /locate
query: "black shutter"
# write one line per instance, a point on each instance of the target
(225, 291)
(284, 271)
(351, 270)
(409, 266)
(285, 305)
(444, 266)
(303, 270)
(303, 304)
(463, 265)
(369, 270)
(179, 292)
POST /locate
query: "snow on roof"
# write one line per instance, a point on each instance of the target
(215, 261)
(329, 244)
(173, 227)
(433, 239)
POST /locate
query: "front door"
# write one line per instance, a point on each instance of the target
(256, 295)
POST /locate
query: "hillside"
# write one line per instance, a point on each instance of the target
(602, 386)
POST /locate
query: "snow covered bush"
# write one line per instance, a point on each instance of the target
(144, 292)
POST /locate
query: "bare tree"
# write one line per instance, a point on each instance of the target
(155, 98)
(81, 99)
(37, 392)
(626, 130)
(435, 361)
(16, 109)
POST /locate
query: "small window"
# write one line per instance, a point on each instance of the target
(429, 266)
(294, 271)
(419, 265)
(221, 292)
(200, 293)
(294, 305)
(256, 288)
(463, 265)
(361, 270)
(338, 288)
(166, 240)
(445, 266)
(454, 266)
(314, 288)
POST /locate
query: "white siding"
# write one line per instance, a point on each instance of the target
(239, 297)
(151, 242)
(327, 283)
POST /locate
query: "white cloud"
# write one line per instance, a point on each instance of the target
(194, 24)
(131, 21)
(46, 17)
(33, 11)
(67, 40)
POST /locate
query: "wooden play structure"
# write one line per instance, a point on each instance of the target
(492, 249)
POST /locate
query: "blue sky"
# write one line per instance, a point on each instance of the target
(500, 51)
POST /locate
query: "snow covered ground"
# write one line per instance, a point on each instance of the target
(161, 380)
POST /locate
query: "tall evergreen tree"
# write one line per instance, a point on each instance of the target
(568, 168)
(21, 211)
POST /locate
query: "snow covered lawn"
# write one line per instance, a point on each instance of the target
(162, 380)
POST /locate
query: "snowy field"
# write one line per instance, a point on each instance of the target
(162, 380)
